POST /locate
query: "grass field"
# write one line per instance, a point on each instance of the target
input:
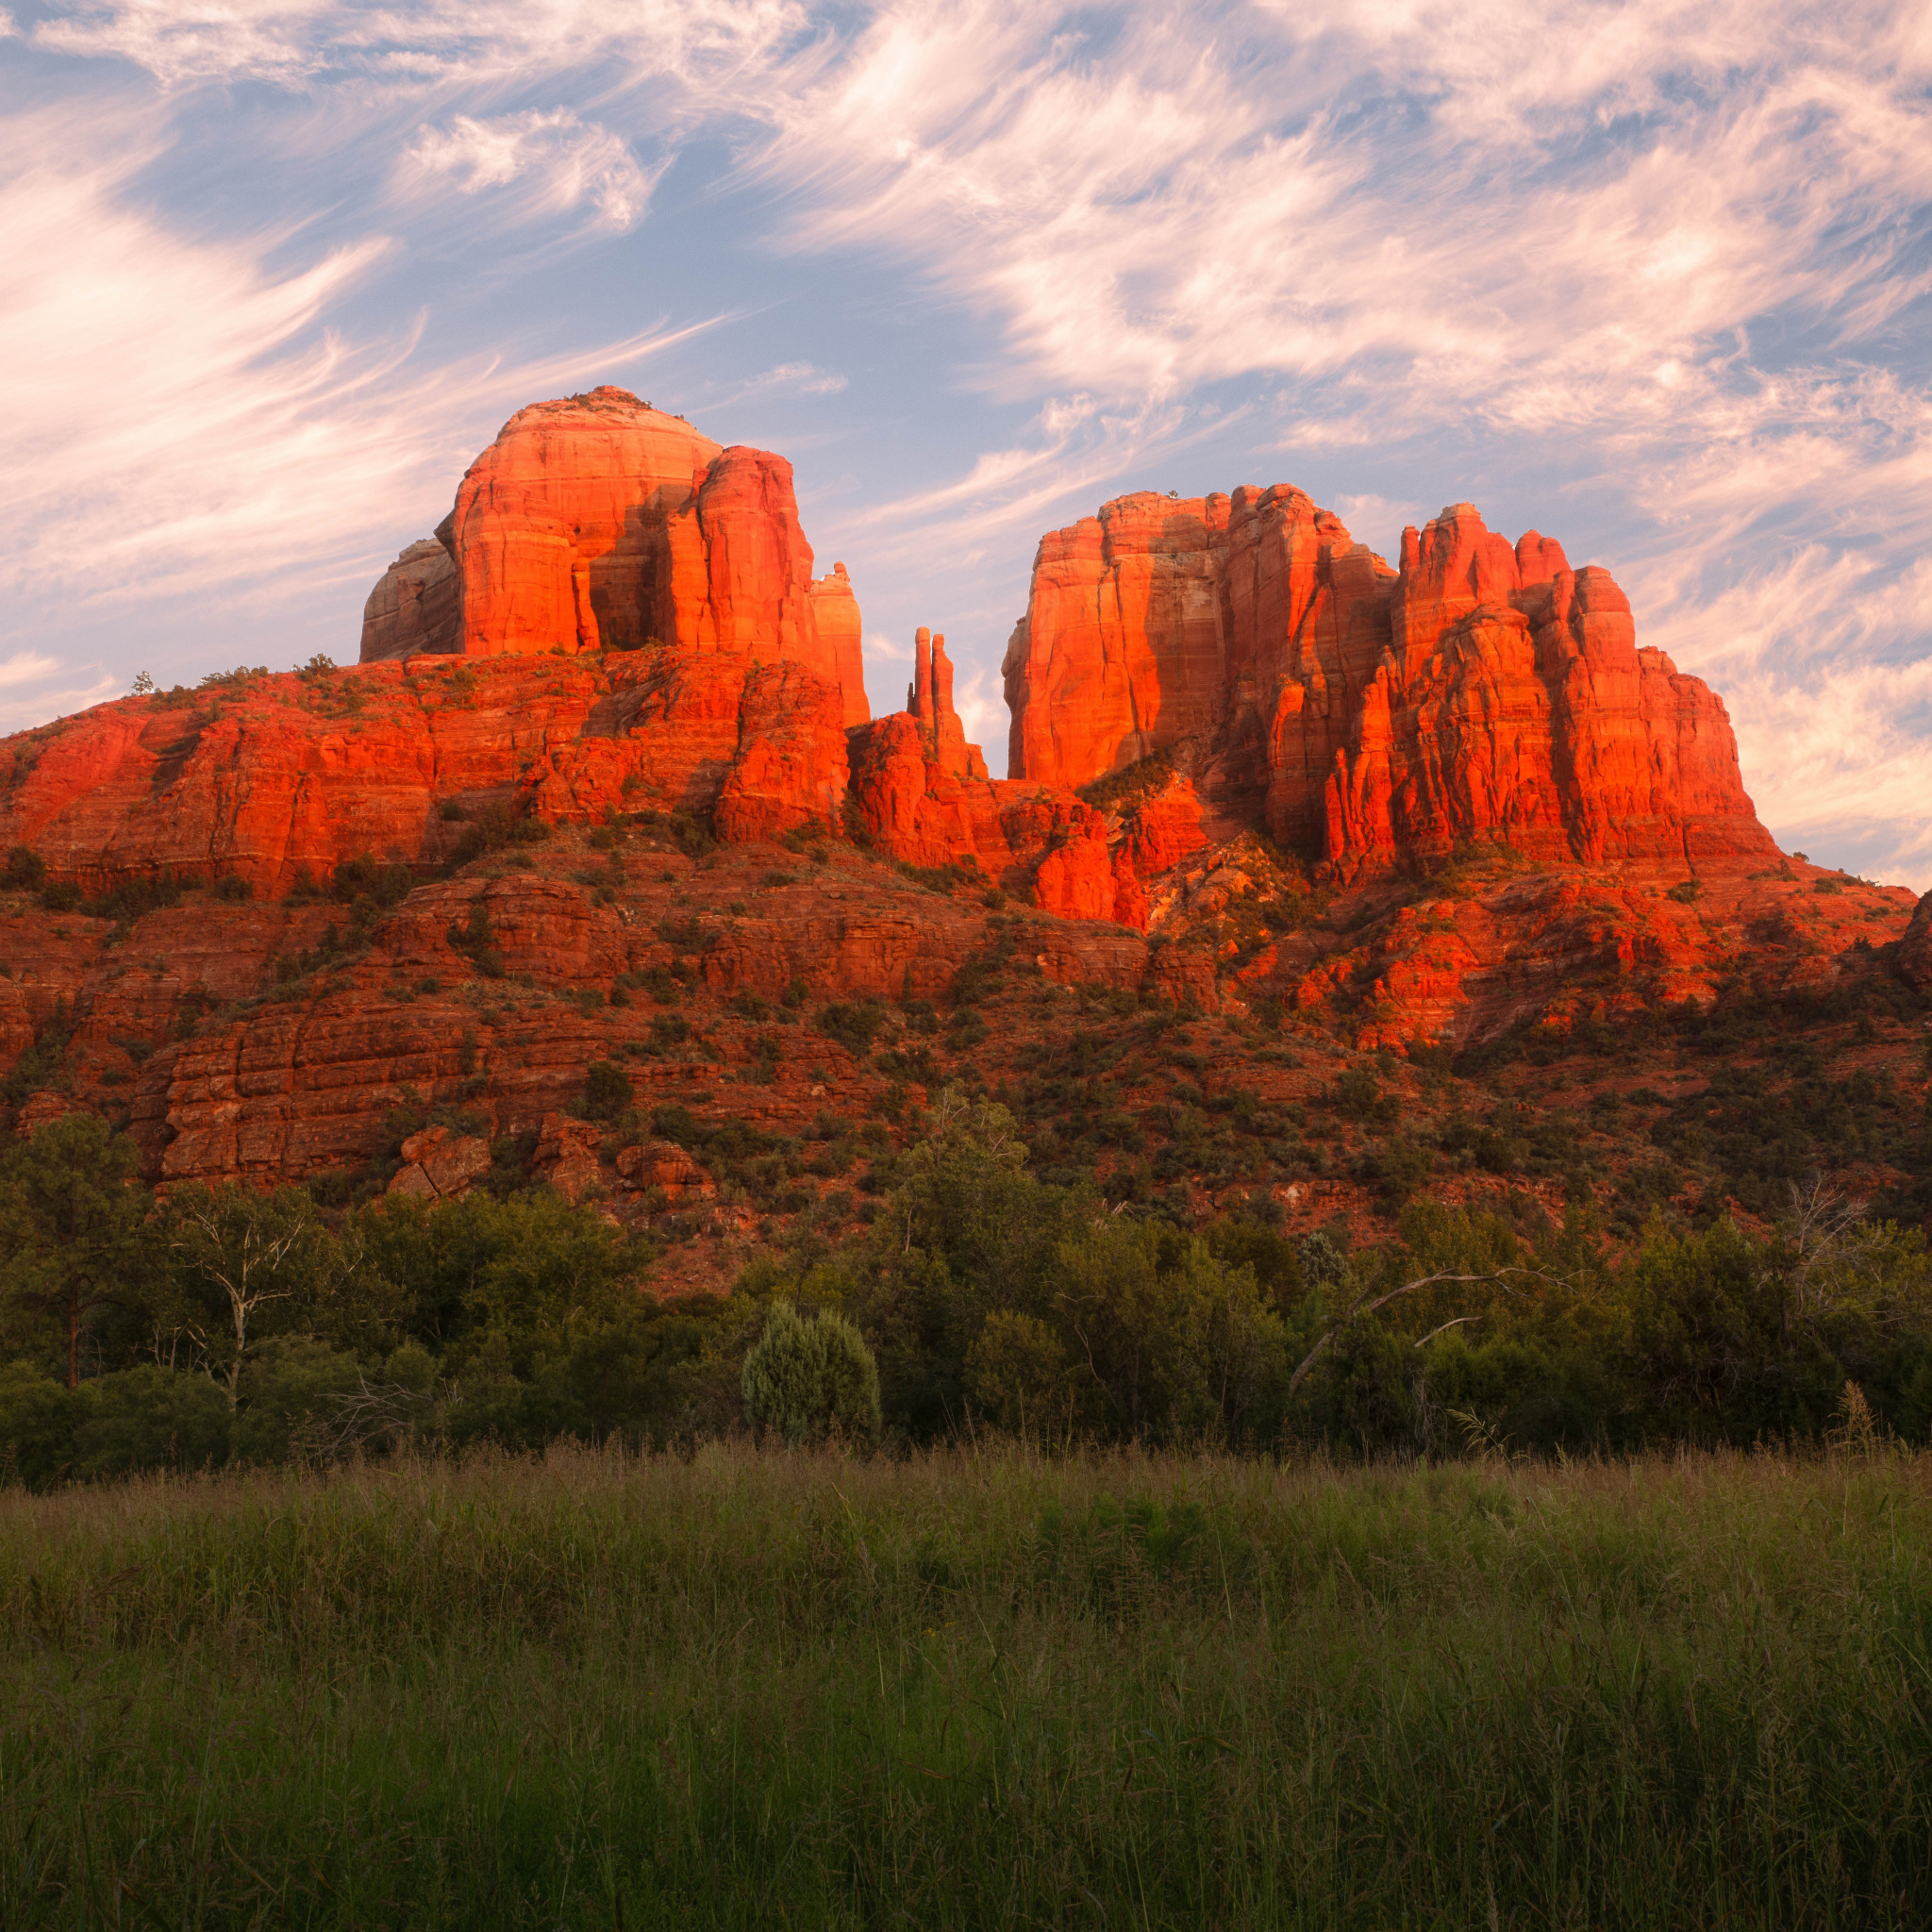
(973, 1690)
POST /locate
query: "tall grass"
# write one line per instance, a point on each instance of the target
(973, 1690)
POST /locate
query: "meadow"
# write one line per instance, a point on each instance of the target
(974, 1687)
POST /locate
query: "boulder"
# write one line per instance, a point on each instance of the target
(442, 1164)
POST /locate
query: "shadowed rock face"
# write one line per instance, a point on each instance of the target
(1913, 960)
(416, 604)
(1369, 713)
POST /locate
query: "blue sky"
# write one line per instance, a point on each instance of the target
(1654, 278)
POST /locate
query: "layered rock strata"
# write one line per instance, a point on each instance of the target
(1363, 713)
(282, 777)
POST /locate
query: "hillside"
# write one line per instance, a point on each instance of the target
(1318, 882)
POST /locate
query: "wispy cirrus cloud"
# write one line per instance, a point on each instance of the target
(534, 165)
(191, 418)
(309, 42)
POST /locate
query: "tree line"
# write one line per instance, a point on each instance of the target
(220, 1325)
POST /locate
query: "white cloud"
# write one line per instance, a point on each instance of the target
(26, 667)
(46, 699)
(556, 161)
(192, 419)
(795, 378)
(305, 42)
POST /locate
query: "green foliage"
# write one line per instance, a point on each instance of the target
(855, 1026)
(942, 879)
(1322, 1265)
(606, 1091)
(1686, 891)
(73, 1243)
(805, 1380)
(292, 1389)
(1132, 785)
(244, 1266)
(149, 1418)
(366, 881)
(493, 828)
(135, 898)
(42, 1065)
(26, 871)
(38, 1418)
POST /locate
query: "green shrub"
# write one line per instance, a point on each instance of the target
(1322, 1264)
(26, 871)
(806, 1379)
(38, 1418)
(854, 1027)
(606, 1091)
(290, 1382)
(150, 1418)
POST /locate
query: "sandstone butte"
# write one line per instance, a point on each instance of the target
(1362, 714)
(1254, 769)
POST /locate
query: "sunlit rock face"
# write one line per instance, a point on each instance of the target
(1239, 740)
(598, 523)
(1366, 713)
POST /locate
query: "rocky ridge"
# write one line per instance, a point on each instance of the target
(606, 788)
(1363, 714)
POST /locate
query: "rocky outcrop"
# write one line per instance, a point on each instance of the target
(416, 604)
(281, 777)
(1211, 700)
(1362, 714)
(841, 637)
(790, 766)
(441, 1164)
(1912, 960)
(558, 525)
(596, 523)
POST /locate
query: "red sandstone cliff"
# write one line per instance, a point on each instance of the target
(1364, 713)
(1358, 714)
(598, 523)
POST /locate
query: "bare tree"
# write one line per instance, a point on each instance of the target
(242, 1253)
(1821, 1237)
(1361, 1307)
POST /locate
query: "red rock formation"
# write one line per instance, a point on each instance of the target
(598, 523)
(559, 526)
(790, 769)
(416, 604)
(1359, 713)
(840, 634)
(441, 1164)
(284, 775)
(1120, 651)
(1480, 691)
(1913, 961)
